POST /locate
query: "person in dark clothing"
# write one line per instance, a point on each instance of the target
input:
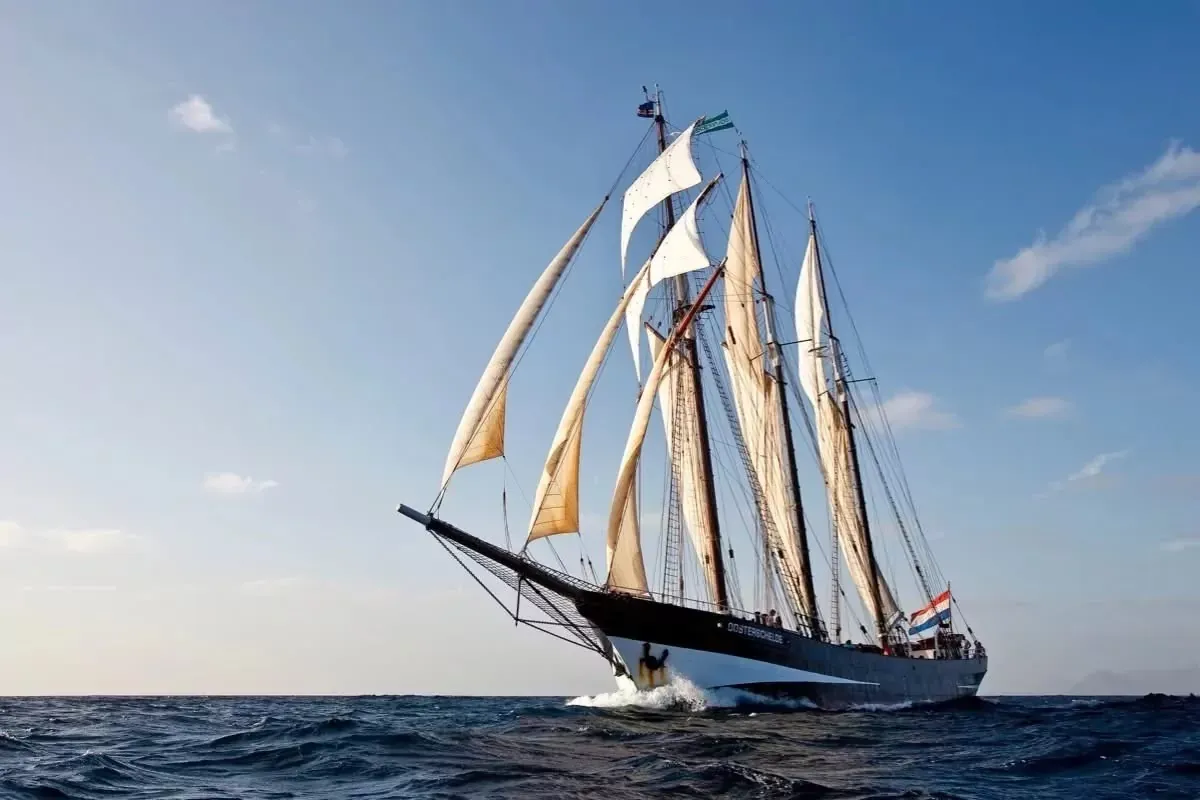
(648, 665)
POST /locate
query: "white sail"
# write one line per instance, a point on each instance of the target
(681, 251)
(480, 434)
(810, 322)
(626, 569)
(556, 503)
(833, 439)
(684, 448)
(851, 532)
(626, 565)
(776, 485)
(754, 398)
(742, 272)
(673, 171)
(633, 315)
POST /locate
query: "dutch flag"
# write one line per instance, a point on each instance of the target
(931, 615)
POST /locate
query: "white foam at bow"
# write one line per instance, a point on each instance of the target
(681, 693)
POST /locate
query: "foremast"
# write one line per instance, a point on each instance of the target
(713, 557)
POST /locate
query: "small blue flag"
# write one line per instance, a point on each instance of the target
(646, 109)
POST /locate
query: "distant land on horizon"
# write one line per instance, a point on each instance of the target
(1139, 682)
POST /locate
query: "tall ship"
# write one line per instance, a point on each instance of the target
(738, 400)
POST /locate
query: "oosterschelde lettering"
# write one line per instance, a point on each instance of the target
(758, 633)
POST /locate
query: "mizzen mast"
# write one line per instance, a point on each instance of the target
(843, 397)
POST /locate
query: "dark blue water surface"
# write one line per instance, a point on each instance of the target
(606, 747)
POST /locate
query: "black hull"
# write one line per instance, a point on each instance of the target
(718, 651)
(711, 650)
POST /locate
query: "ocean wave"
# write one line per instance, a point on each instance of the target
(674, 740)
(679, 694)
(905, 706)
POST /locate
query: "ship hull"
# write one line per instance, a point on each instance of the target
(653, 643)
(650, 643)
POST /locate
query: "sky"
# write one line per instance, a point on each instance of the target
(253, 259)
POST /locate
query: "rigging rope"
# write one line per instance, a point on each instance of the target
(504, 510)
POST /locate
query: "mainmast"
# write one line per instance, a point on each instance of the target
(806, 576)
(839, 380)
(682, 304)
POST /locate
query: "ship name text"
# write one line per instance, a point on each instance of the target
(757, 633)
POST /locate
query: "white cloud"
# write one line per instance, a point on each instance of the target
(915, 410)
(11, 534)
(197, 115)
(1094, 467)
(1057, 352)
(1041, 408)
(232, 483)
(1088, 472)
(91, 541)
(1179, 545)
(1116, 219)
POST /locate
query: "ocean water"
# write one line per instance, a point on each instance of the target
(673, 742)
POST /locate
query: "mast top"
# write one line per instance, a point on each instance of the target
(811, 219)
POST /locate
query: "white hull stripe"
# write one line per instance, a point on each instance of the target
(710, 670)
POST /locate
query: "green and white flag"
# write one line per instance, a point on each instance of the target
(709, 124)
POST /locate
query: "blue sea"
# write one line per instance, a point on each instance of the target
(668, 743)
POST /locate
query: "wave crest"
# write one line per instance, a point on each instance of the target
(683, 695)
